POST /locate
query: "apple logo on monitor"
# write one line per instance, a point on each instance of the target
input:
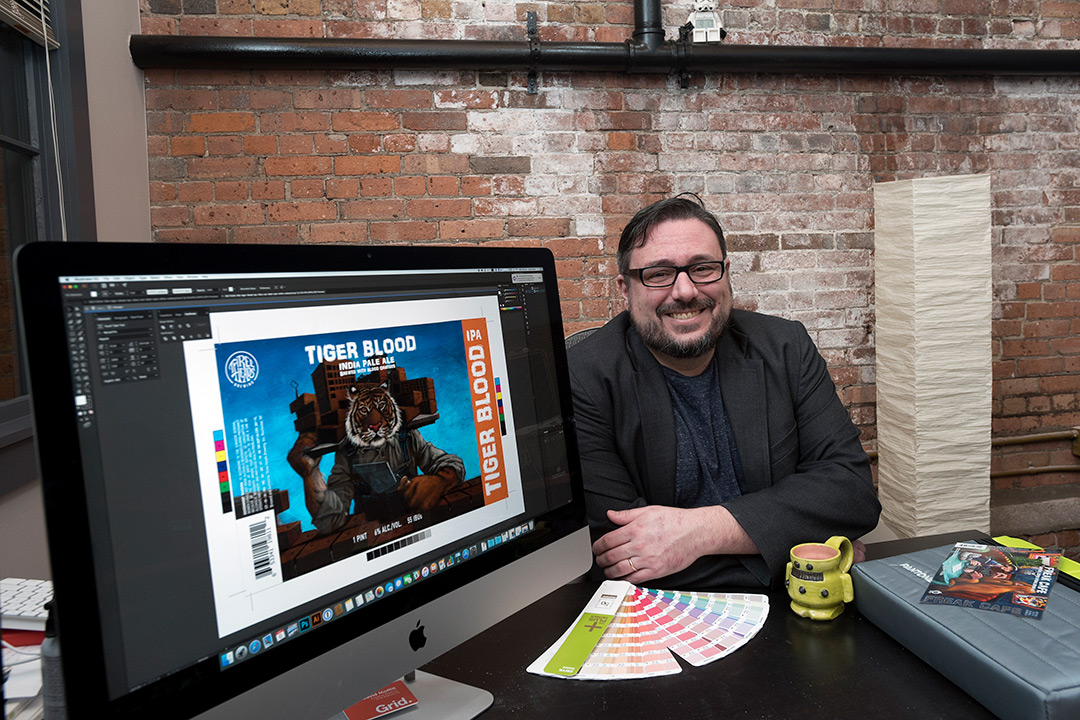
(417, 639)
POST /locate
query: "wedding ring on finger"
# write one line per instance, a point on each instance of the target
(631, 561)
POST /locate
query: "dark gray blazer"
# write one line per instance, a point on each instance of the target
(807, 476)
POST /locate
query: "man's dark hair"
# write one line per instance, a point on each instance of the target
(685, 206)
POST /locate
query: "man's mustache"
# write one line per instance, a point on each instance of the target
(676, 307)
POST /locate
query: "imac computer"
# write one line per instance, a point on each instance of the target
(278, 478)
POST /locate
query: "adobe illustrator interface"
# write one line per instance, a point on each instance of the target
(272, 391)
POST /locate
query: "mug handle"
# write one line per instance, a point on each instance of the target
(847, 553)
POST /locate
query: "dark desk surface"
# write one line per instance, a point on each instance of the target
(846, 668)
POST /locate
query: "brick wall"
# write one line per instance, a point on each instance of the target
(788, 162)
(1068, 541)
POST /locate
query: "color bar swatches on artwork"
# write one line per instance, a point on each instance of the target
(221, 457)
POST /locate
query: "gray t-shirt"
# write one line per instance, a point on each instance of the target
(708, 470)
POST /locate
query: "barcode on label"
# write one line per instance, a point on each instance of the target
(260, 550)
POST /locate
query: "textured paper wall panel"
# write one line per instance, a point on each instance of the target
(932, 270)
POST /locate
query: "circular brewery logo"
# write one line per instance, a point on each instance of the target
(241, 368)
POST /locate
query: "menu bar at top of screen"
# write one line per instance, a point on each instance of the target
(168, 277)
(110, 292)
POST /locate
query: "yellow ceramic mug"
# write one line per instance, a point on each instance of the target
(817, 578)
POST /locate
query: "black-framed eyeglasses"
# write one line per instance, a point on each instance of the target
(701, 273)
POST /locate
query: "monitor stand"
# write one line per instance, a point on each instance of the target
(442, 699)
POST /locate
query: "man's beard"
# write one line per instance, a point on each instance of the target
(659, 340)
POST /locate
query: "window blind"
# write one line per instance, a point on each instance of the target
(26, 17)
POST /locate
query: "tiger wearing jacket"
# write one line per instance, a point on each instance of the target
(418, 477)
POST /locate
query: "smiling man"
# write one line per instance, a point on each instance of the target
(711, 439)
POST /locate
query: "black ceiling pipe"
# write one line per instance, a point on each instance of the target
(879, 60)
(173, 51)
(646, 52)
(341, 54)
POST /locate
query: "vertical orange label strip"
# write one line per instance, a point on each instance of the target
(485, 410)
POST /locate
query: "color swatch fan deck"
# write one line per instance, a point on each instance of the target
(630, 632)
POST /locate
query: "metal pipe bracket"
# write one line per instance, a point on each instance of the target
(533, 34)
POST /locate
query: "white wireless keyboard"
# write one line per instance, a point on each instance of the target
(22, 603)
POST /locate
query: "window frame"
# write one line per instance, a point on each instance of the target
(42, 200)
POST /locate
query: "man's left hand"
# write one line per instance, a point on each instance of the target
(655, 540)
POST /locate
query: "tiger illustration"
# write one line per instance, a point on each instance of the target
(376, 436)
(374, 417)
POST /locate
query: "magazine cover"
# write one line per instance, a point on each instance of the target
(985, 577)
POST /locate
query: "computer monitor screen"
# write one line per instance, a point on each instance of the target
(276, 478)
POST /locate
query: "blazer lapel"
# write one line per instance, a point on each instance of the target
(742, 384)
(658, 450)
